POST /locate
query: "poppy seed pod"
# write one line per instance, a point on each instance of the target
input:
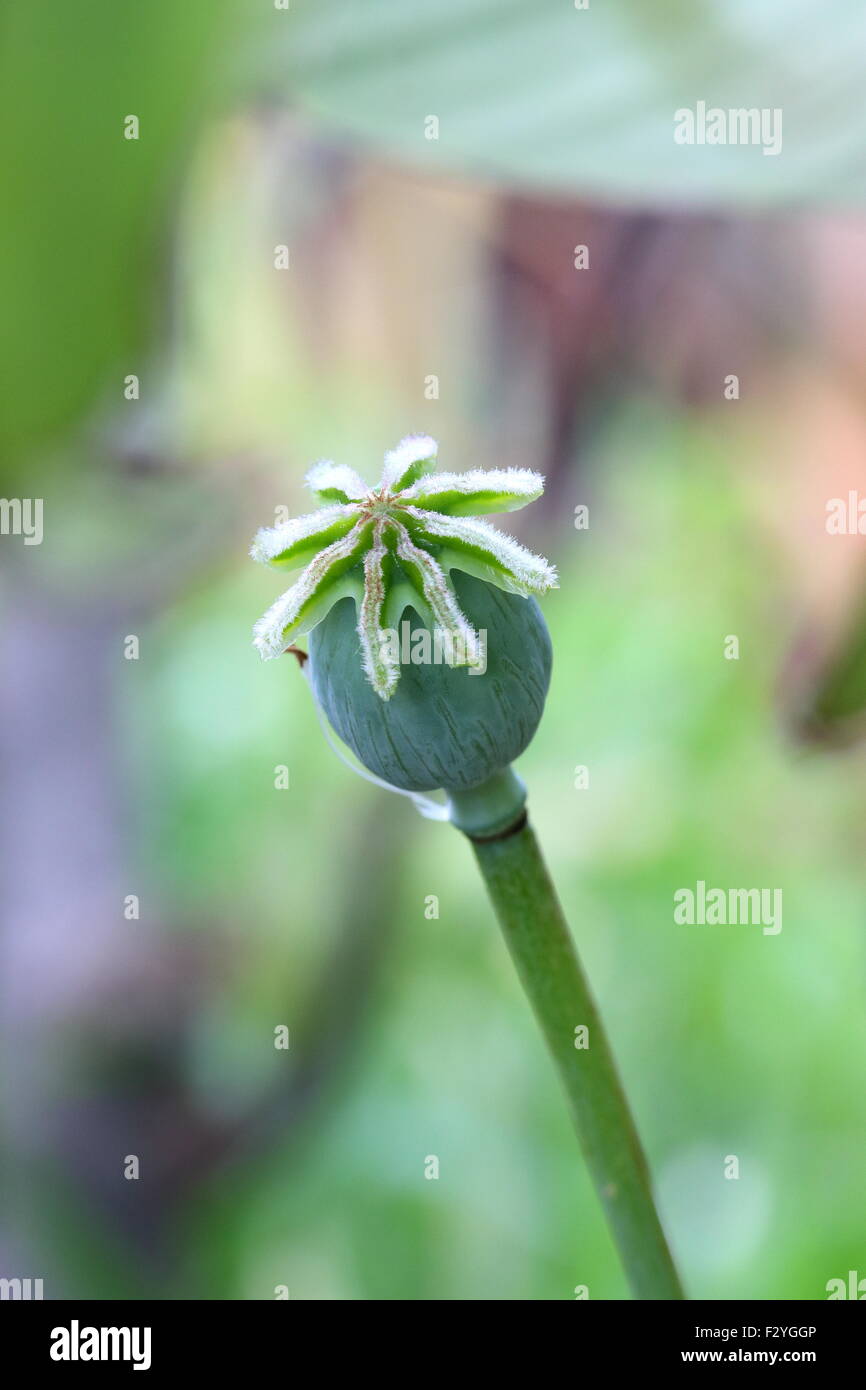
(444, 726)
(449, 700)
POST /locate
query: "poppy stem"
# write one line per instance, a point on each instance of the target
(544, 953)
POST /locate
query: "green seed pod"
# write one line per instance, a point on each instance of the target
(443, 727)
(455, 715)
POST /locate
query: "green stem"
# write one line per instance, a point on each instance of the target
(546, 959)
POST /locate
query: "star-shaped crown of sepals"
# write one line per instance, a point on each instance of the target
(393, 546)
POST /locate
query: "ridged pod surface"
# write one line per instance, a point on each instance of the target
(443, 727)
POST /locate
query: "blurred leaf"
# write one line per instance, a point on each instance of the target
(540, 93)
(827, 689)
(83, 207)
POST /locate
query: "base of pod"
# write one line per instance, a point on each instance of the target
(491, 809)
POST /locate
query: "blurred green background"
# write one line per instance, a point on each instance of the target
(431, 287)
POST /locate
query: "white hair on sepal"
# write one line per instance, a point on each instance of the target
(272, 541)
(273, 630)
(268, 632)
(417, 449)
(441, 600)
(531, 572)
(325, 477)
(516, 487)
(380, 665)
